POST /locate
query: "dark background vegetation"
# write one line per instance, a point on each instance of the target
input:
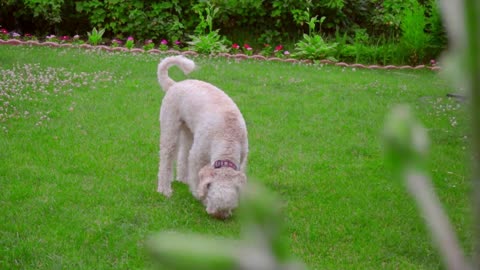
(372, 23)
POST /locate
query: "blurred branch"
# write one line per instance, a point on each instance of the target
(472, 10)
(260, 248)
(402, 132)
(463, 25)
(442, 232)
(406, 144)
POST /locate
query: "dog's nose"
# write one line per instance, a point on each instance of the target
(220, 214)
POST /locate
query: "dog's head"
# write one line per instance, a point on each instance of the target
(219, 189)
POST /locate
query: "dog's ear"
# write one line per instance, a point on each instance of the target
(205, 176)
(206, 172)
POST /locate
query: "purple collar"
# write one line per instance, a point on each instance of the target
(224, 163)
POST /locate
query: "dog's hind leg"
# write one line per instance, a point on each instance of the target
(185, 140)
(168, 145)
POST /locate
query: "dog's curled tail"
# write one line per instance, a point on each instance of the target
(185, 64)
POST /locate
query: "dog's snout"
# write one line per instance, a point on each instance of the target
(220, 214)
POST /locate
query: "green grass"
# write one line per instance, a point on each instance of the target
(78, 171)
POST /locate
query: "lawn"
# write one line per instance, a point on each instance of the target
(79, 141)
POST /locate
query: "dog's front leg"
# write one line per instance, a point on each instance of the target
(195, 163)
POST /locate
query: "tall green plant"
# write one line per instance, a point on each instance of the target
(95, 37)
(206, 20)
(312, 46)
(436, 29)
(360, 43)
(207, 40)
(414, 40)
(303, 16)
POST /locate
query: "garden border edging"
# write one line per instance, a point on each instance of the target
(16, 42)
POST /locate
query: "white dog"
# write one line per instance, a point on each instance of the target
(204, 130)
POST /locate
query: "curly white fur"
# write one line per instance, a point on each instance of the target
(200, 124)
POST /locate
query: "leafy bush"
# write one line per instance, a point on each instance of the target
(208, 43)
(314, 48)
(95, 37)
(48, 9)
(142, 19)
(31, 15)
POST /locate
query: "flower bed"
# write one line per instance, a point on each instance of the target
(268, 53)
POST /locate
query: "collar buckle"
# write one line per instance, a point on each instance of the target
(224, 163)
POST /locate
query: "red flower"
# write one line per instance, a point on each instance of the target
(235, 46)
(278, 48)
(64, 38)
(3, 31)
(247, 47)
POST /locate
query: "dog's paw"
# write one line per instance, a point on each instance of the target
(166, 191)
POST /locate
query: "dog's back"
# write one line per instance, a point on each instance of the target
(199, 104)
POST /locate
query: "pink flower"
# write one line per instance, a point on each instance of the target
(116, 41)
(235, 46)
(433, 62)
(130, 38)
(278, 48)
(286, 52)
(164, 42)
(3, 31)
(64, 38)
(149, 41)
(177, 42)
(76, 37)
(247, 47)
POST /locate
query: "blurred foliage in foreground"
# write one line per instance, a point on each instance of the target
(262, 245)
